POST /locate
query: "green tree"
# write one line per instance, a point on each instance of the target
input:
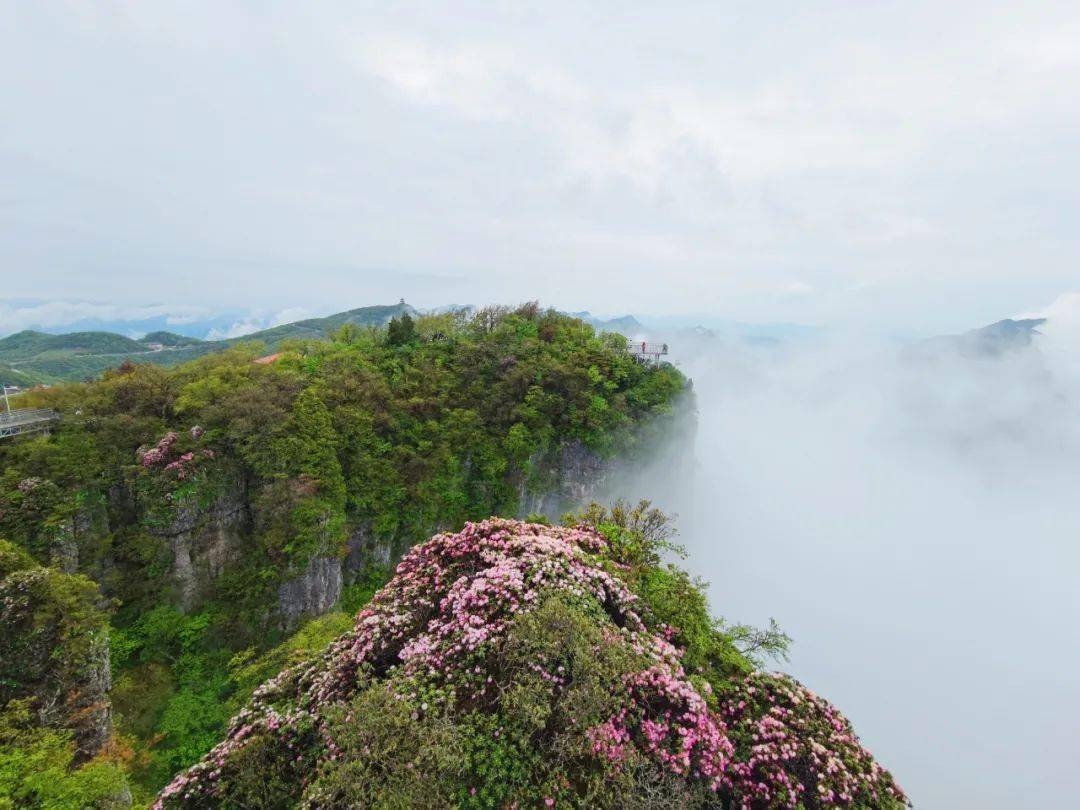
(401, 330)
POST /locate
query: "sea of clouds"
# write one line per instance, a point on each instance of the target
(910, 515)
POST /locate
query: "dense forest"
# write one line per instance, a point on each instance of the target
(184, 533)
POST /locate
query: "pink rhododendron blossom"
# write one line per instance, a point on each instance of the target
(161, 455)
(438, 627)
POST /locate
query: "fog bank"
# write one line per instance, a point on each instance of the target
(911, 517)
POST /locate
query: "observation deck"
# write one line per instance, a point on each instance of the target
(26, 420)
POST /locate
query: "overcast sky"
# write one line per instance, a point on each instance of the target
(903, 165)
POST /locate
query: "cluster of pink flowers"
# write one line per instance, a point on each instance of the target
(442, 619)
(28, 485)
(674, 725)
(781, 728)
(161, 455)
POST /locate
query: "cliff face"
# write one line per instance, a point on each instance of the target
(560, 480)
(214, 522)
(571, 476)
(204, 539)
(54, 649)
(312, 593)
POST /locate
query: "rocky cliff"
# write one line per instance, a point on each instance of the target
(205, 534)
(204, 538)
(312, 593)
(54, 649)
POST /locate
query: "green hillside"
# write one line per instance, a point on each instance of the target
(315, 328)
(31, 358)
(170, 339)
(29, 344)
(9, 376)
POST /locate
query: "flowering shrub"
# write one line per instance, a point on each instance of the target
(794, 749)
(159, 453)
(162, 455)
(515, 647)
(28, 485)
(665, 716)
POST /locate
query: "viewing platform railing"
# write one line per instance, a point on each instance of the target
(26, 420)
(648, 351)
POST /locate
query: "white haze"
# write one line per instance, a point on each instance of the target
(913, 522)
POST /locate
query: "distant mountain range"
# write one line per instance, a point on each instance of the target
(30, 358)
(988, 341)
(626, 325)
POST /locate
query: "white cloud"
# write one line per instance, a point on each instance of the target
(553, 155)
(238, 329)
(289, 315)
(15, 317)
(257, 321)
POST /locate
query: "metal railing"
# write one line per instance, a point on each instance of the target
(28, 415)
(647, 352)
(26, 420)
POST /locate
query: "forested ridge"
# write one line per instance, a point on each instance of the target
(185, 532)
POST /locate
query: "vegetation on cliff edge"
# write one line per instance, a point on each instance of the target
(188, 496)
(515, 664)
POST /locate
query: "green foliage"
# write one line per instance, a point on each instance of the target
(29, 344)
(193, 718)
(38, 768)
(51, 636)
(171, 683)
(395, 427)
(524, 749)
(401, 330)
(247, 669)
(303, 505)
(412, 761)
(640, 541)
(13, 558)
(265, 774)
(52, 639)
(357, 594)
(169, 339)
(44, 358)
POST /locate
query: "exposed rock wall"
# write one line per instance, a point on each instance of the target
(72, 542)
(562, 480)
(366, 551)
(95, 724)
(54, 649)
(312, 593)
(582, 473)
(205, 540)
(64, 548)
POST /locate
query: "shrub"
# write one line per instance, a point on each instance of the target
(505, 664)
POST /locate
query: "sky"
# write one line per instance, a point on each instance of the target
(897, 166)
